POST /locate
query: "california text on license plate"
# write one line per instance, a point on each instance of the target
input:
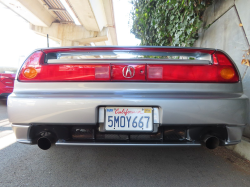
(128, 119)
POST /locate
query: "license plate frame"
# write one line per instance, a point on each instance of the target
(131, 129)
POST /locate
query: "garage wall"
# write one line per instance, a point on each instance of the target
(224, 19)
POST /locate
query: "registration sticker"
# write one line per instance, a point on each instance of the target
(147, 110)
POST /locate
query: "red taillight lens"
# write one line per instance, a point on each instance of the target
(182, 73)
(35, 70)
(222, 70)
(227, 71)
(31, 67)
(72, 73)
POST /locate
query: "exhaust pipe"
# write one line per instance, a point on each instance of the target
(46, 142)
(211, 142)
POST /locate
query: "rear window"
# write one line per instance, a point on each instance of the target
(124, 55)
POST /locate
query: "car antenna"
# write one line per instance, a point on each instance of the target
(48, 40)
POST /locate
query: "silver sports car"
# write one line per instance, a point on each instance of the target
(128, 96)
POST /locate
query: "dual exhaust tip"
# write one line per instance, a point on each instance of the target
(45, 142)
(211, 142)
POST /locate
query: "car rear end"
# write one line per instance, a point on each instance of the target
(128, 96)
(6, 84)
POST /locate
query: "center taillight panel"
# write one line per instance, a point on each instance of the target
(127, 72)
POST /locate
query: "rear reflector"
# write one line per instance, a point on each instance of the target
(155, 72)
(102, 72)
(222, 70)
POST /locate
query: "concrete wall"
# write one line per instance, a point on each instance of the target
(224, 32)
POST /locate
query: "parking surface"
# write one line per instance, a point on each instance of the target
(25, 165)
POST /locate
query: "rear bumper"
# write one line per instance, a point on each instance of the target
(4, 95)
(22, 133)
(232, 136)
(83, 108)
(179, 105)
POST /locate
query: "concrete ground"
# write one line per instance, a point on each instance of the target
(25, 165)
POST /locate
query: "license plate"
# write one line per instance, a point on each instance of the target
(128, 119)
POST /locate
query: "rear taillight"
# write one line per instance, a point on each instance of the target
(222, 70)
(31, 67)
(182, 73)
(34, 69)
(226, 69)
(6, 80)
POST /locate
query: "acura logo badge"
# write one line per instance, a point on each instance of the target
(128, 71)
